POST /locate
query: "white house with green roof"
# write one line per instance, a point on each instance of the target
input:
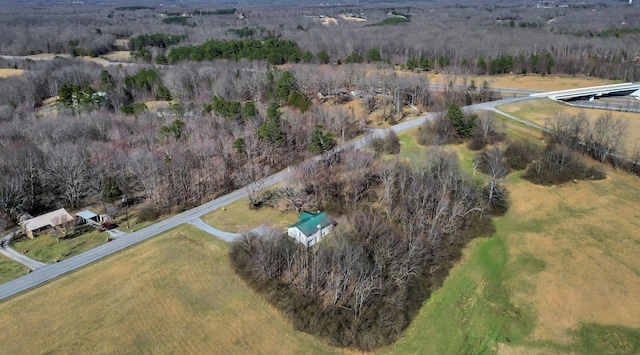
(311, 227)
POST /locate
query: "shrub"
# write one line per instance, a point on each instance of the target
(498, 198)
(438, 132)
(520, 153)
(387, 145)
(148, 213)
(559, 165)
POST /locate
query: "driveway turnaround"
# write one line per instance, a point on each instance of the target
(53, 271)
(226, 236)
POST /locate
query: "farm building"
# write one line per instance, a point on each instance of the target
(311, 227)
(33, 226)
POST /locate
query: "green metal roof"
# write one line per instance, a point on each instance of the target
(308, 222)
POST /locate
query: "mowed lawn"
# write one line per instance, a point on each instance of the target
(561, 275)
(48, 249)
(237, 217)
(173, 294)
(537, 111)
(10, 269)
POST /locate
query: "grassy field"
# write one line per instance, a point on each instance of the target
(529, 82)
(238, 218)
(10, 269)
(173, 294)
(561, 275)
(538, 110)
(6, 73)
(46, 249)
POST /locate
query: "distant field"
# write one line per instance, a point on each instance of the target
(531, 82)
(174, 294)
(537, 111)
(6, 73)
(117, 56)
(327, 21)
(561, 275)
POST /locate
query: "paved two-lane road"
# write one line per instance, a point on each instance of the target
(53, 271)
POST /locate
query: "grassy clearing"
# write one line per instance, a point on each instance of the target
(10, 269)
(537, 111)
(46, 249)
(238, 218)
(117, 56)
(6, 73)
(412, 150)
(528, 82)
(173, 294)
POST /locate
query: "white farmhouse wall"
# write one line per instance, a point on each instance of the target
(308, 241)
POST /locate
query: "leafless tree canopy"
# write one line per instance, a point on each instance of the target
(362, 288)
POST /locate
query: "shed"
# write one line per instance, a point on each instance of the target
(55, 218)
(311, 227)
(86, 216)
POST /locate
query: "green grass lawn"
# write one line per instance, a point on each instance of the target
(412, 150)
(10, 269)
(238, 218)
(46, 249)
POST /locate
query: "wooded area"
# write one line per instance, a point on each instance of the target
(214, 99)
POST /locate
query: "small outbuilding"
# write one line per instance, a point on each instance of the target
(33, 226)
(311, 227)
(87, 216)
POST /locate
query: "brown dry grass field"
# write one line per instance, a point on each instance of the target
(6, 73)
(328, 21)
(529, 82)
(117, 56)
(587, 236)
(356, 19)
(174, 294)
(537, 111)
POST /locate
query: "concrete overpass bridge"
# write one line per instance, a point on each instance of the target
(591, 93)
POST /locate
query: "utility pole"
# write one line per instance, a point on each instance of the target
(126, 209)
